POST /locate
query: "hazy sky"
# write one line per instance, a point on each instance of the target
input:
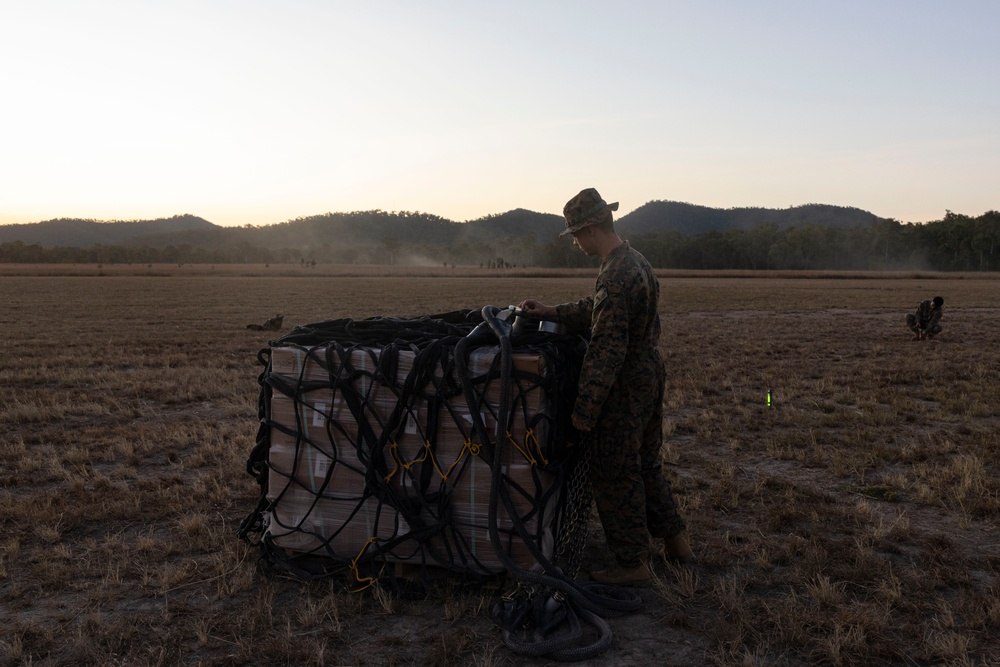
(259, 112)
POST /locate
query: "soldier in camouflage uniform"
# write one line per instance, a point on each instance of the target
(620, 400)
(925, 323)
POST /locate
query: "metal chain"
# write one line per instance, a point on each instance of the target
(576, 515)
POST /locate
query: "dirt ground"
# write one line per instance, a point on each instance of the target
(850, 522)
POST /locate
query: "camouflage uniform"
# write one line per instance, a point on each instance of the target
(927, 318)
(621, 398)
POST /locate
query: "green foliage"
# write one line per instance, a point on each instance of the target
(810, 237)
(957, 243)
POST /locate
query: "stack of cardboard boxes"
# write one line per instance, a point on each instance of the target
(360, 462)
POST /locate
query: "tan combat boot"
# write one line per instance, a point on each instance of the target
(620, 575)
(677, 548)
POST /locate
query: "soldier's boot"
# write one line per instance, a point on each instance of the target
(677, 548)
(624, 575)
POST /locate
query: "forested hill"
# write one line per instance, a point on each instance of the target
(660, 216)
(669, 234)
(76, 233)
(401, 228)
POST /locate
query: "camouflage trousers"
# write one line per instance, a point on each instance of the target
(631, 491)
(915, 326)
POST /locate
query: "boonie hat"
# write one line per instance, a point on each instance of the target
(586, 209)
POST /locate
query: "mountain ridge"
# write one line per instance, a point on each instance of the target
(377, 226)
(669, 235)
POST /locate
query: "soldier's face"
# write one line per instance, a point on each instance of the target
(583, 240)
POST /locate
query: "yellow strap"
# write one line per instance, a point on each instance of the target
(524, 452)
(428, 452)
(530, 435)
(423, 457)
(367, 581)
(393, 449)
(467, 447)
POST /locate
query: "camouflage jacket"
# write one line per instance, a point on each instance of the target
(927, 314)
(625, 329)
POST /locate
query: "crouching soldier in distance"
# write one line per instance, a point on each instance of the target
(272, 324)
(620, 400)
(926, 322)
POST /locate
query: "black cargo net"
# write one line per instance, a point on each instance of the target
(441, 443)
(378, 442)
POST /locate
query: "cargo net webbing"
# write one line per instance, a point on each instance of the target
(373, 450)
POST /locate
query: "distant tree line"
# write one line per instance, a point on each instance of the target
(956, 243)
(22, 253)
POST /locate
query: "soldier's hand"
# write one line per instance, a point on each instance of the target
(538, 309)
(579, 424)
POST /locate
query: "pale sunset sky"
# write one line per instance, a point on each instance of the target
(257, 112)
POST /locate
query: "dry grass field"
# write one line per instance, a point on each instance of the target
(853, 522)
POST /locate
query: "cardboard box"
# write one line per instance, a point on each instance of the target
(304, 523)
(333, 413)
(296, 462)
(365, 365)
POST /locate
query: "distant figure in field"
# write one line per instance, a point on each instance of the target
(925, 323)
(272, 324)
